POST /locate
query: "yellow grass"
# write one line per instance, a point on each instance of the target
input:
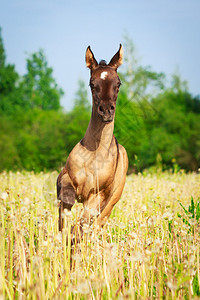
(145, 251)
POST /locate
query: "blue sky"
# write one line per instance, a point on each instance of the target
(165, 33)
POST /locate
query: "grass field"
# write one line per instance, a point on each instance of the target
(149, 248)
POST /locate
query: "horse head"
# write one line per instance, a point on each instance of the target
(104, 84)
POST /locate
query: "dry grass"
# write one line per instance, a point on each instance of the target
(145, 251)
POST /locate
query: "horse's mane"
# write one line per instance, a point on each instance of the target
(102, 63)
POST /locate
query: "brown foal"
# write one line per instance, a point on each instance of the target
(95, 171)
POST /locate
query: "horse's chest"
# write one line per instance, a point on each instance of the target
(91, 171)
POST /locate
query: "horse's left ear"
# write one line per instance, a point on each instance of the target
(117, 59)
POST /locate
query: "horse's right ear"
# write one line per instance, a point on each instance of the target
(91, 62)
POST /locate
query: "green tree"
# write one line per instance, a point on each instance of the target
(40, 87)
(155, 122)
(78, 117)
(8, 82)
(139, 85)
(42, 140)
(2, 52)
(138, 81)
(8, 136)
(177, 117)
(81, 97)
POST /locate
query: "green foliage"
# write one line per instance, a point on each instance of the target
(139, 82)
(78, 117)
(195, 285)
(191, 215)
(81, 98)
(40, 88)
(42, 142)
(8, 81)
(36, 89)
(175, 117)
(2, 52)
(155, 120)
(8, 150)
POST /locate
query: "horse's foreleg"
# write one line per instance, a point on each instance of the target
(92, 208)
(118, 186)
(62, 207)
(66, 193)
(97, 211)
(101, 219)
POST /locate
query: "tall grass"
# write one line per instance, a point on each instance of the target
(145, 251)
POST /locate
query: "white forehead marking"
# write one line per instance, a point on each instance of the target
(104, 75)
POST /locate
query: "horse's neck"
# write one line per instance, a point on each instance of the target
(99, 135)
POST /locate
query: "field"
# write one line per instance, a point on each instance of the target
(149, 248)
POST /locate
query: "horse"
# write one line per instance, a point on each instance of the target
(95, 170)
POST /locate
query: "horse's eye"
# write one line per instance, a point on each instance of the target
(119, 84)
(91, 85)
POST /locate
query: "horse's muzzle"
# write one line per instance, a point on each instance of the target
(107, 115)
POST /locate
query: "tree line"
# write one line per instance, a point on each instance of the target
(158, 123)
